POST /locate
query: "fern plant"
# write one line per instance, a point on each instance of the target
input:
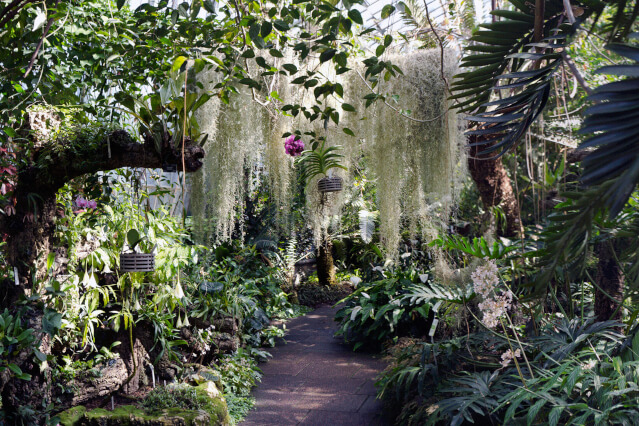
(584, 373)
(418, 368)
(476, 396)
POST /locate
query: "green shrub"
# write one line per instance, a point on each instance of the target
(239, 372)
(583, 373)
(239, 406)
(402, 304)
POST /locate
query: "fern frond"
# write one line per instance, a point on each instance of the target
(367, 225)
(419, 294)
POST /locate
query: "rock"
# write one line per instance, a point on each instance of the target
(216, 413)
(111, 375)
(200, 378)
(166, 369)
(72, 415)
(129, 415)
(226, 325)
(210, 389)
(201, 374)
(224, 343)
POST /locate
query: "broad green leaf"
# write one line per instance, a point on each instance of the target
(267, 27)
(327, 55)
(15, 369)
(177, 63)
(355, 16)
(387, 11)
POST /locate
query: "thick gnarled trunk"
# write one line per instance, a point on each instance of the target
(609, 279)
(325, 265)
(494, 187)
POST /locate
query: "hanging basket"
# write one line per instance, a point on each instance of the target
(137, 262)
(330, 184)
(169, 168)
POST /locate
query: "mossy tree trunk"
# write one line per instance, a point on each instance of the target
(495, 187)
(325, 264)
(609, 279)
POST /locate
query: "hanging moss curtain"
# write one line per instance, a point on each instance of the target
(417, 162)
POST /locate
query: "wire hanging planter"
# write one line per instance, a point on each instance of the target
(137, 262)
(170, 167)
(133, 261)
(330, 184)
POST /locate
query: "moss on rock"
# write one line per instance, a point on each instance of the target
(72, 415)
(130, 415)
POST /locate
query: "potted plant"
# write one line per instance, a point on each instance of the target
(134, 261)
(319, 161)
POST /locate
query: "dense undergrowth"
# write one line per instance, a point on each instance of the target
(503, 289)
(198, 307)
(481, 350)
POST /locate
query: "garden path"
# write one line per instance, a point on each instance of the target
(313, 379)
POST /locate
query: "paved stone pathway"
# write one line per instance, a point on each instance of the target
(313, 379)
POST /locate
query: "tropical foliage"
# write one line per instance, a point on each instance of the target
(482, 321)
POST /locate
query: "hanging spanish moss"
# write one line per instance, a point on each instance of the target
(232, 166)
(323, 209)
(279, 167)
(413, 144)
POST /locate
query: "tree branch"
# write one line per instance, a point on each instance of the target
(11, 10)
(52, 168)
(575, 72)
(39, 46)
(539, 21)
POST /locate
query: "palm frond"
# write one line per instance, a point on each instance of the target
(419, 294)
(291, 252)
(477, 247)
(474, 397)
(569, 336)
(565, 239)
(614, 122)
(623, 17)
(507, 60)
(265, 244)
